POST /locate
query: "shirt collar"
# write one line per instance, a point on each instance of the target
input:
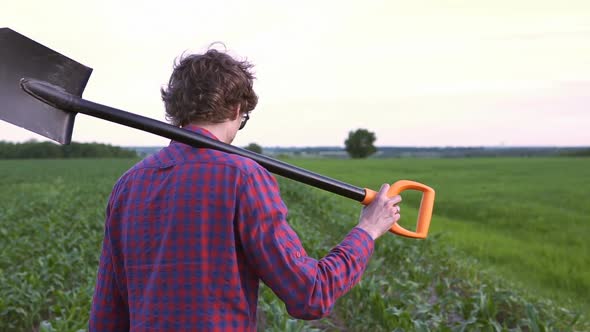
(198, 130)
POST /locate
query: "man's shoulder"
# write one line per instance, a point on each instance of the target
(184, 154)
(245, 165)
(159, 159)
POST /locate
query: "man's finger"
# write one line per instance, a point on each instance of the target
(383, 191)
(395, 199)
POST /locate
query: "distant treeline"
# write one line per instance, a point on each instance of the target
(578, 153)
(434, 152)
(40, 150)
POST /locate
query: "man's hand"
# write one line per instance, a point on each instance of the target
(378, 217)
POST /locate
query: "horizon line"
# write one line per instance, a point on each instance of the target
(401, 146)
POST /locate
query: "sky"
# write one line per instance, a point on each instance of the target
(416, 73)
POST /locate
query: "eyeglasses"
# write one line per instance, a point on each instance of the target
(245, 119)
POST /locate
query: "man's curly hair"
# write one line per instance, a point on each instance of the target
(207, 88)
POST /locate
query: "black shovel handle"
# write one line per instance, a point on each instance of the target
(60, 99)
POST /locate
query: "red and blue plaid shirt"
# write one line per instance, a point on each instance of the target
(190, 232)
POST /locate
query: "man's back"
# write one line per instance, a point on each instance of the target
(171, 228)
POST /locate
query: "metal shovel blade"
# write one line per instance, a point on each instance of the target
(21, 57)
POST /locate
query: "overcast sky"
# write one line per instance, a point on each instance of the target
(417, 73)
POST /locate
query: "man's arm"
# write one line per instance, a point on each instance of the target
(109, 310)
(309, 287)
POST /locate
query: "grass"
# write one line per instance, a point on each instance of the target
(491, 214)
(527, 220)
(51, 226)
(413, 285)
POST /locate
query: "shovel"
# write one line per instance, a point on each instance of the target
(41, 90)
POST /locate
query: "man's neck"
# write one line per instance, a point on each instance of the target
(221, 130)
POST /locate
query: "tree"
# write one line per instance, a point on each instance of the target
(359, 143)
(254, 148)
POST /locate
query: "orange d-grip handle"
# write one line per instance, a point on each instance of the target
(424, 214)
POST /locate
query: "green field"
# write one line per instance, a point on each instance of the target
(508, 247)
(527, 220)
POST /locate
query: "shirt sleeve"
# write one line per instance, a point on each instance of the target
(308, 287)
(109, 311)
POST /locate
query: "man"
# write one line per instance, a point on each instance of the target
(190, 232)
